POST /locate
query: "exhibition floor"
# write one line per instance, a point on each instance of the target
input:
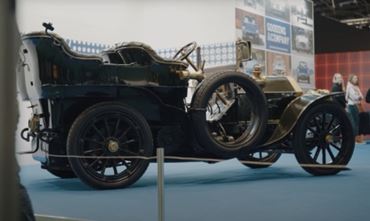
(218, 192)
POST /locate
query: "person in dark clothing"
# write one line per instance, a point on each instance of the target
(338, 85)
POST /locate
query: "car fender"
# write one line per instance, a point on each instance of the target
(294, 112)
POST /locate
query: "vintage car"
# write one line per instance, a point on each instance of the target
(101, 118)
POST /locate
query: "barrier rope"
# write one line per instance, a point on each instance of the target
(324, 166)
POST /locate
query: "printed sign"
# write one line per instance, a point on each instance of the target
(277, 35)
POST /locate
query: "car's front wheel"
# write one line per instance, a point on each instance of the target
(100, 139)
(323, 139)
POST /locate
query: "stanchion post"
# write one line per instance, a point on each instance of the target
(160, 182)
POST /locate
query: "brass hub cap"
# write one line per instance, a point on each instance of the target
(329, 138)
(113, 146)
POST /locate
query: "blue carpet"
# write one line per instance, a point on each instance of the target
(224, 191)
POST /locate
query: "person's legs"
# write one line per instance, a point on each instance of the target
(356, 119)
(351, 114)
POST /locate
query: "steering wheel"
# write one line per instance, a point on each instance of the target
(185, 51)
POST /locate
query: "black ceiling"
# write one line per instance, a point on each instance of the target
(351, 12)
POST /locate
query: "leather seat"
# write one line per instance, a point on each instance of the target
(64, 45)
(132, 45)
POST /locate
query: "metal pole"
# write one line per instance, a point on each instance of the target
(160, 183)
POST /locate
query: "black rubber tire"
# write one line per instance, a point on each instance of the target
(63, 174)
(82, 123)
(303, 152)
(200, 102)
(270, 159)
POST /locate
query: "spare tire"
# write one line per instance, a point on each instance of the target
(229, 113)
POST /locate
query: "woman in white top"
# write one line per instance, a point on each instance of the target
(353, 98)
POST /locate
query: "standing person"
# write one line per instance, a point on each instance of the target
(353, 98)
(338, 84)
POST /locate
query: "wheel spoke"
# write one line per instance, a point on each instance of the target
(221, 98)
(127, 167)
(128, 142)
(96, 160)
(221, 129)
(335, 146)
(115, 167)
(323, 155)
(92, 151)
(107, 127)
(330, 153)
(316, 154)
(116, 127)
(323, 121)
(337, 138)
(93, 141)
(335, 128)
(104, 167)
(98, 131)
(331, 122)
(129, 152)
(124, 133)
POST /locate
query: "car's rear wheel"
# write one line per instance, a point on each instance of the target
(101, 137)
(323, 139)
(229, 113)
(260, 159)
